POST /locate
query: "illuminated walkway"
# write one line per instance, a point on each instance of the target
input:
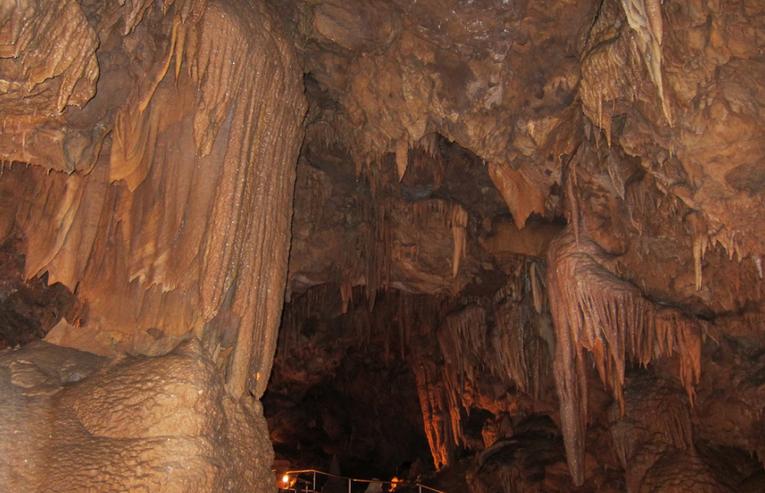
(313, 481)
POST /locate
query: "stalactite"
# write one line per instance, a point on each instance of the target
(402, 158)
(729, 241)
(429, 144)
(423, 210)
(536, 290)
(521, 195)
(462, 341)
(435, 412)
(644, 17)
(571, 197)
(516, 350)
(459, 222)
(678, 333)
(346, 294)
(378, 251)
(597, 312)
(700, 244)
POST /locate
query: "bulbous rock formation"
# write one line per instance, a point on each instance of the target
(74, 423)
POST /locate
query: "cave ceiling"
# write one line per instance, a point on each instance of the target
(541, 98)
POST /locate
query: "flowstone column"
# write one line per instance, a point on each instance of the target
(161, 193)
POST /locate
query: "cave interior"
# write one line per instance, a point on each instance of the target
(484, 246)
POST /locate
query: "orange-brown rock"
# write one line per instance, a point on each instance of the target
(70, 421)
(516, 229)
(198, 162)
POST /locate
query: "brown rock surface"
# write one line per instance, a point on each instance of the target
(202, 108)
(149, 158)
(70, 421)
(518, 230)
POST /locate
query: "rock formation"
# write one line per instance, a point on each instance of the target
(150, 159)
(500, 245)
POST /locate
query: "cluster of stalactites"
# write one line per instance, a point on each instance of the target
(513, 348)
(378, 251)
(381, 254)
(418, 315)
(435, 407)
(703, 239)
(462, 340)
(451, 214)
(521, 346)
(595, 312)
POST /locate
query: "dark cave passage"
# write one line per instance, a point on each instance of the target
(343, 390)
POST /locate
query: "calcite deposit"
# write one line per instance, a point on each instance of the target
(491, 245)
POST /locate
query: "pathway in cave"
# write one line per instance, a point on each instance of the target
(315, 481)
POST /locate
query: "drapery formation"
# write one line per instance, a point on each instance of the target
(596, 312)
(175, 214)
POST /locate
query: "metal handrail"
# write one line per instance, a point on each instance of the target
(315, 472)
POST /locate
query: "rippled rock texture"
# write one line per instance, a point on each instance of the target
(71, 421)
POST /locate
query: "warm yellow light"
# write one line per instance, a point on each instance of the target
(286, 479)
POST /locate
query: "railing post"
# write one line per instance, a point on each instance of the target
(349, 485)
(419, 488)
(314, 482)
